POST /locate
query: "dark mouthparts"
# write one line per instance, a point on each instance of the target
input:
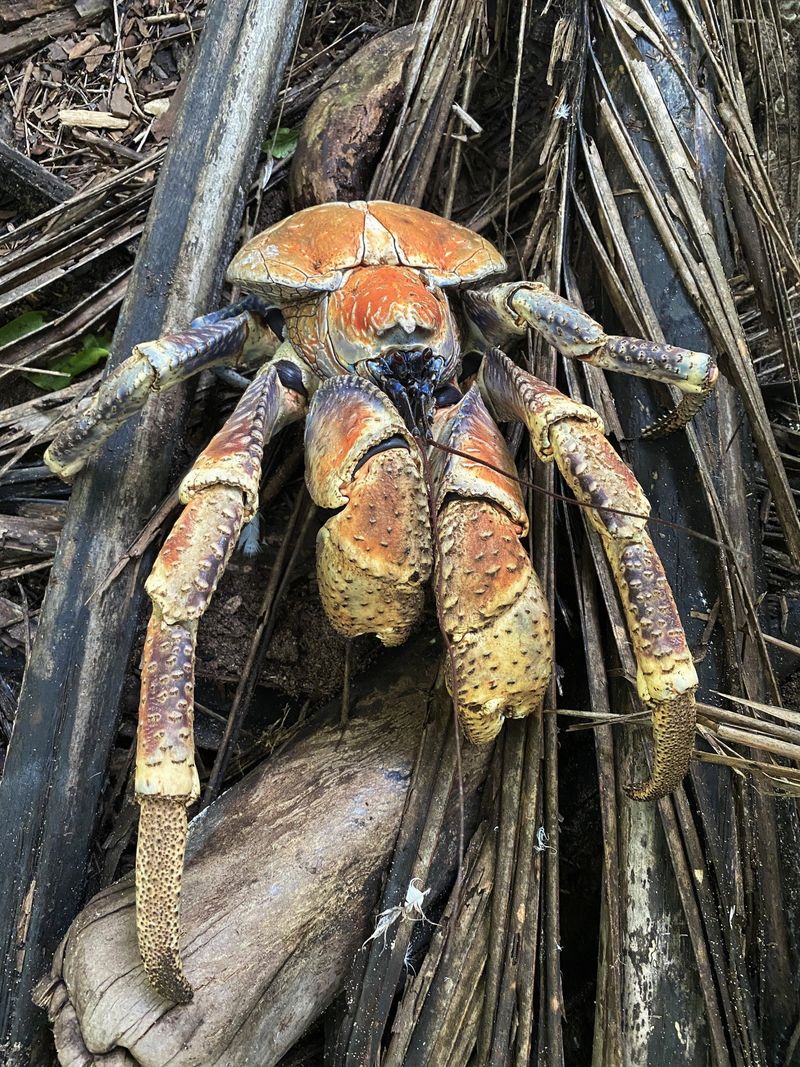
(411, 378)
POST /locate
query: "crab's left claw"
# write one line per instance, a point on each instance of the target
(573, 436)
(512, 306)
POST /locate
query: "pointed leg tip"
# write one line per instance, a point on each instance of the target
(651, 789)
(675, 420)
(674, 725)
(167, 978)
(159, 865)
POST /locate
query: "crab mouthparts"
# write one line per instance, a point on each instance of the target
(410, 379)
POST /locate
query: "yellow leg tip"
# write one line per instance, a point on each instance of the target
(159, 867)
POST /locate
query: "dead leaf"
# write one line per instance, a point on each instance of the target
(120, 104)
(96, 57)
(83, 46)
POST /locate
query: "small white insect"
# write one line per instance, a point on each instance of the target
(410, 910)
(542, 841)
(562, 111)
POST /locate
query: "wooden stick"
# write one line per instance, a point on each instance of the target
(56, 766)
(29, 182)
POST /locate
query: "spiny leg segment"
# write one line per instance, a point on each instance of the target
(224, 338)
(221, 494)
(573, 436)
(507, 310)
(491, 603)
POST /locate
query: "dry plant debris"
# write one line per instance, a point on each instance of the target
(88, 92)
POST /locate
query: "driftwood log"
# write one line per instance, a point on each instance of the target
(281, 880)
(346, 125)
(56, 765)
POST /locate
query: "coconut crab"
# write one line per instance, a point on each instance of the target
(376, 303)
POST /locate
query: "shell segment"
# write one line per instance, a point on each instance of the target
(309, 252)
(347, 417)
(448, 253)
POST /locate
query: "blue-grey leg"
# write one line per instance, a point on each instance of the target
(503, 311)
(228, 337)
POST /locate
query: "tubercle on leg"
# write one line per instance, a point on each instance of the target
(121, 394)
(152, 367)
(617, 509)
(181, 584)
(166, 781)
(508, 308)
(233, 457)
(159, 868)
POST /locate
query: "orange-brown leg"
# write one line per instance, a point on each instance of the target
(573, 436)
(220, 493)
(502, 311)
(491, 604)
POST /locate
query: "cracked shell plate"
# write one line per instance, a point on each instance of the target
(308, 252)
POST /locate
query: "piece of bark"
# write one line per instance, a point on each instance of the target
(343, 131)
(22, 10)
(22, 537)
(280, 884)
(28, 182)
(39, 31)
(57, 761)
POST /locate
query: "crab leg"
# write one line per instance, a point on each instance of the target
(225, 337)
(573, 436)
(491, 604)
(508, 309)
(220, 493)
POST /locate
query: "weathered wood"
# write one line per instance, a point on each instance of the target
(344, 129)
(20, 10)
(22, 537)
(28, 182)
(38, 31)
(662, 1021)
(279, 892)
(57, 760)
(678, 984)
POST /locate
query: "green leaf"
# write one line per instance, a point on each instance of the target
(27, 322)
(92, 351)
(281, 142)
